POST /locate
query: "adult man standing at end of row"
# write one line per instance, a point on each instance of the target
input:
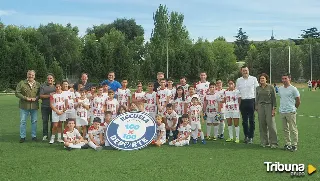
(247, 85)
(28, 93)
(112, 84)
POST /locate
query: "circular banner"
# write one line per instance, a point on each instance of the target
(131, 131)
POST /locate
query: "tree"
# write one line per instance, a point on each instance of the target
(56, 70)
(241, 45)
(252, 60)
(310, 33)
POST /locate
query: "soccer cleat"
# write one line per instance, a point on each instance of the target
(294, 148)
(287, 147)
(194, 141)
(250, 141)
(274, 146)
(22, 140)
(221, 136)
(246, 139)
(34, 139)
(68, 148)
(203, 141)
(60, 140)
(229, 140)
(99, 148)
(214, 139)
(45, 138)
(237, 141)
(51, 141)
(86, 146)
(208, 138)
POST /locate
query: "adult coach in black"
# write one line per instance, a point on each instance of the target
(160, 75)
(247, 86)
(84, 81)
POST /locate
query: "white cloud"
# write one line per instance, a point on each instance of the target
(7, 12)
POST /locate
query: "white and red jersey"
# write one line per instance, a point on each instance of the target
(202, 89)
(188, 101)
(81, 112)
(212, 101)
(77, 95)
(170, 117)
(185, 89)
(71, 135)
(172, 94)
(105, 95)
(58, 100)
(139, 95)
(112, 106)
(161, 130)
(162, 95)
(103, 126)
(195, 113)
(151, 102)
(70, 96)
(221, 93)
(179, 104)
(232, 100)
(184, 131)
(97, 104)
(123, 96)
(95, 132)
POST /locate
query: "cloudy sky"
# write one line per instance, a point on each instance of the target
(203, 18)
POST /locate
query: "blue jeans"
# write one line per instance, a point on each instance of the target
(24, 113)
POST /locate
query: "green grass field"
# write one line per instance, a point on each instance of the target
(215, 161)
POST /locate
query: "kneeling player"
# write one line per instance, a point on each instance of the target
(72, 137)
(161, 132)
(95, 135)
(184, 133)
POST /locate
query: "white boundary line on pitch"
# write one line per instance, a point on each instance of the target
(301, 115)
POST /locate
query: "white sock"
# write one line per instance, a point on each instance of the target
(208, 130)
(92, 145)
(59, 135)
(237, 132)
(221, 127)
(77, 146)
(216, 131)
(202, 135)
(170, 143)
(53, 136)
(194, 134)
(230, 132)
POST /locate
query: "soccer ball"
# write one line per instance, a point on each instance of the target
(218, 117)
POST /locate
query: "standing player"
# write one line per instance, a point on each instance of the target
(188, 99)
(163, 96)
(77, 93)
(184, 133)
(111, 104)
(202, 86)
(124, 94)
(212, 107)
(70, 97)
(232, 99)
(82, 106)
(151, 101)
(184, 85)
(179, 101)
(172, 90)
(220, 92)
(96, 135)
(195, 115)
(97, 105)
(105, 90)
(72, 137)
(171, 121)
(138, 97)
(309, 85)
(58, 106)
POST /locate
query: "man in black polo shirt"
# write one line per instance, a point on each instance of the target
(84, 81)
(160, 75)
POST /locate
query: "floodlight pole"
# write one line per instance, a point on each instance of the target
(270, 66)
(311, 61)
(289, 60)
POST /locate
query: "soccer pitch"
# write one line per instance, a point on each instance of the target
(217, 160)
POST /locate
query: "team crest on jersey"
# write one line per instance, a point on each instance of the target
(131, 131)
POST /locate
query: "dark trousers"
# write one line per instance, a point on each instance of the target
(46, 119)
(247, 113)
(175, 134)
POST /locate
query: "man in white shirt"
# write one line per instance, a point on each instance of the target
(247, 86)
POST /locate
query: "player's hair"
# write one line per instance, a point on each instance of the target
(218, 79)
(71, 119)
(31, 71)
(231, 80)
(183, 77)
(96, 120)
(287, 74)
(159, 116)
(264, 75)
(108, 112)
(194, 98)
(125, 79)
(84, 73)
(99, 87)
(160, 73)
(65, 80)
(243, 66)
(203, 72)
(50, 74)
(57, 83)
(122, 107)
(185, 116)
(191, 86)
(180, 121)
(82, 90)
(110, 92)
(150, 84)
(176, 96)
(212, 84)
(110, 72)
(169, 105)
(139, 82)
(170, 79)
(162, 79)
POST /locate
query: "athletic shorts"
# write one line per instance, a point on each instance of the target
(195, 125)
(232, 114)
(71, 114)
(212, 120)
(56, 118)
(81, 122)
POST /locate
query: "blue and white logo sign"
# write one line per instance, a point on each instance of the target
(131, 131)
